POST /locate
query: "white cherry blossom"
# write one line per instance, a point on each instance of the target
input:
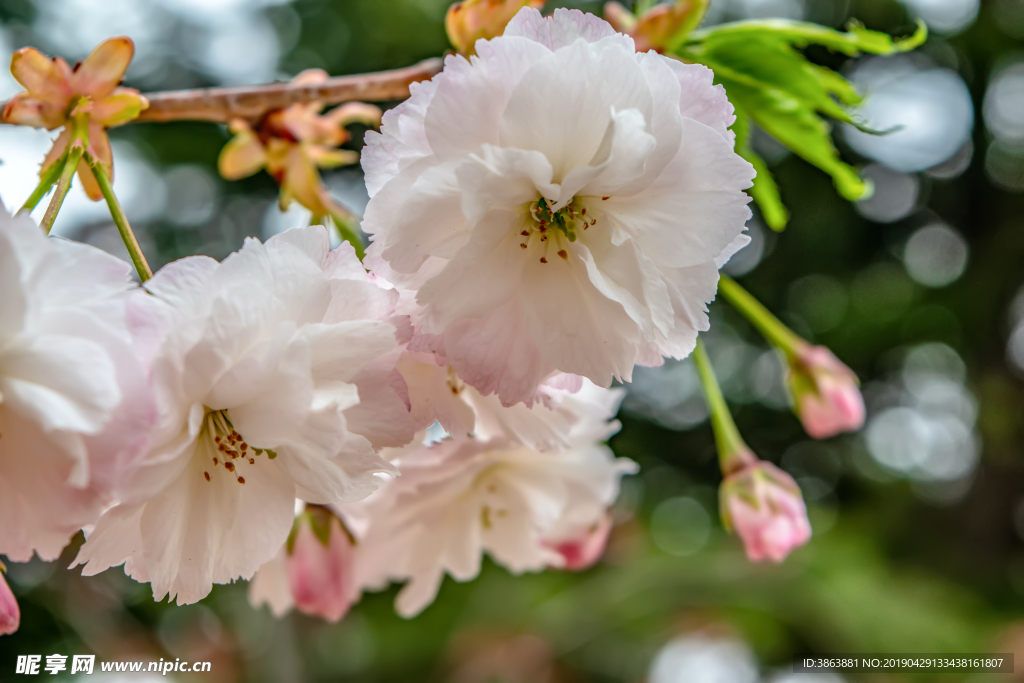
(74, 403)
(465, 496)
(559, 202)
(254, 369)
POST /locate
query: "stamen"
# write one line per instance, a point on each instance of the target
(563, 254)
(241, 480)
(543, 260)
(207, 475)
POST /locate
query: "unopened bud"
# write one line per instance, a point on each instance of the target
(10, 615)
(583, 550)
(320, 564)
(825, 392)
(473, 20)
(764, 506)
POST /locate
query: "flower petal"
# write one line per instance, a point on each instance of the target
(242, 156)
(45, 78)
(25, 110)
(695, 208)
(557, 110)
(564, 28)
(104, 68)
(123, 106)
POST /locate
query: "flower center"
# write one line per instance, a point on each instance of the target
(226, 446)
(555, 228)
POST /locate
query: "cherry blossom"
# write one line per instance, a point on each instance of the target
(559, 202)
(253, 367)
(465, 496)
(75, 407)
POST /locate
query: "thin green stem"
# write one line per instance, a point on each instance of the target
(120, 220)
(46, 181)
(70, 165)
(767, 324)
(346, 230)
(733, 452)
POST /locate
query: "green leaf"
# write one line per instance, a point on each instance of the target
(765, 192)
(855, 40)
(776, 86)
(761, 61)
(796, 125)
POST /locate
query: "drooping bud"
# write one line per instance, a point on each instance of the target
(583, 550)
(659, 28)
(764, 506)
(825, 392)
(473, 20)
(10, 615)
(320, 564)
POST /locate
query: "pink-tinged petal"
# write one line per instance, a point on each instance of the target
(475, 94)
(45, 78)
(701, 100)
(402, 139)
(104, 68)
(123, 106)
(25, 110)
(584, 550)
(580, 331)
(564, 28)
(242, 156)
(10, 615)
(60, 145)
(695, 208)
(496, 355)
(321, 574)
(556, 110)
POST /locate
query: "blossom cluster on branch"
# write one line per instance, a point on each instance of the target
(546, 214)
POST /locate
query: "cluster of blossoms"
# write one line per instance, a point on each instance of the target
(544, 216)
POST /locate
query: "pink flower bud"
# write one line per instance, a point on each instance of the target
(320, 565)
(10, 615)
(825, 393)
(584, 550)
(763, 504)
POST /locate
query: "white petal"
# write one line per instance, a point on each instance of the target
(563, 105)
(564, 28)
(695, 208)
(496, 354)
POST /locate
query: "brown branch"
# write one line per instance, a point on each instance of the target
(251, 103)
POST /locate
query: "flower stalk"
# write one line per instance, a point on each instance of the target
(780, 336)
(68, 166)
(825, 393)
(733, 452)
(120, 220)
(46, 180)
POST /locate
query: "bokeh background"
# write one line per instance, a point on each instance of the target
(918, 519)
